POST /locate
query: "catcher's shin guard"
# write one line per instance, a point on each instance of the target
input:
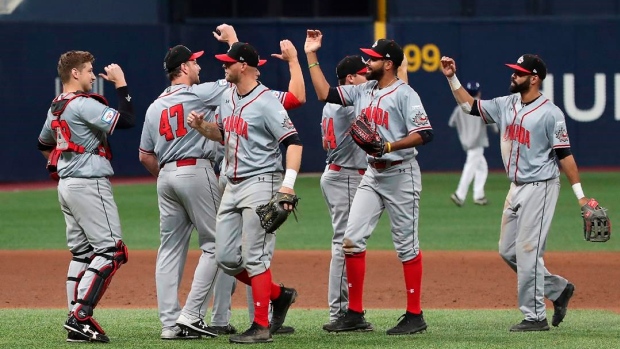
(97, 278)
(77, 268)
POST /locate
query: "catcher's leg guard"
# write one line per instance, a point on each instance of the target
(97, 278)
(77, 268)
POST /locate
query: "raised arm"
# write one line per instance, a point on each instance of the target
(296, 86)
(225, 33)
(402, 70)
(463, 99)
(312, 45)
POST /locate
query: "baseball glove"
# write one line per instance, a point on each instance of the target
(366, 136)
(273, 214)
(596, 223)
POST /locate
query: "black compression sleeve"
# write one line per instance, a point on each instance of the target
(427, 136)
(127, 119)
(291, 140)
(333, 96)
(44, 147)
(474, 109)
(562, 152)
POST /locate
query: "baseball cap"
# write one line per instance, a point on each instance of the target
(350, 65)
(531, 64)
(179, 55)
(472, 87)
(242, 52)
(386, 49)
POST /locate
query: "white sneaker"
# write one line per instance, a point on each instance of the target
(197, 325)
(481, 202)
(458, 202)
(178, 333)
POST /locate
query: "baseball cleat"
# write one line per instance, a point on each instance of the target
(560, 305)
(280, 307)
(458, 202)
(176, 332)
(196, 325)
(225, 330)
(349, 321)
(285, 330)
(74, 337)
(481, 202)
(255, 334)
(528, 326)
(409, 324)
(88, 329)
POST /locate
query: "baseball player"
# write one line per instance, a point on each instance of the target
(74, 141)
(392, 181)
(294, 98)
(473, 136)
(252, 124)
(188, 191)
(346, 164)
(533, 136)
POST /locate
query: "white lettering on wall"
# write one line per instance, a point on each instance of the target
(585, 115)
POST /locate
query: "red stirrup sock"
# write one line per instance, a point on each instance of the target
(244, 277)
(261, 292)
(413, 282)
(356, 272)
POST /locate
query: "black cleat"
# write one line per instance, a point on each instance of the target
(285, 330)
(88, 328)
(409, 324)
(560, 305)
(74, 337)
(527, 326)
(178, 333)
(349, 321)
(280, 307)
(255, 334)
(225, 330)
(196, 325)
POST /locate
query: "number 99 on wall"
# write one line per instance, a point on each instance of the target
(426, 57)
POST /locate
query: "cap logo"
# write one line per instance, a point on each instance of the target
(375, 44)
(534, 71)
(387, 55)
(241, 58)
(520, 60)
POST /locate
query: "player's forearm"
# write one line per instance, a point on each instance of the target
(463, 98)
(293, 157)
(412, 140)
(210, 130)
(46, 153)
(150, 162)
(402, 72)
(321, 86)
(569, 166)
(297, 86)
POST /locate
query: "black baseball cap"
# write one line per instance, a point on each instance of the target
(242, 52)
(531, 64)
(386, 49)
(351, 65)
(179, 55)
(472, 87)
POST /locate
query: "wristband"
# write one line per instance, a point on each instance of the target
(578, 191)
(389, 147)
(455, 84)
(313, 65)
(289, 178)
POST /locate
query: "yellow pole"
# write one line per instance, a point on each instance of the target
(380, 22)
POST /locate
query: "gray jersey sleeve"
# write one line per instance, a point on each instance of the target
(210, 92)
(278, 122)
(350, 93)
(556, 129)
(96, 114)
(147, 143)
(47, 135)
(416, 119)
(491, 110)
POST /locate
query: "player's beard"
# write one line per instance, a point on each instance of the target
(375, 74)
(87, 87)
(522, 87)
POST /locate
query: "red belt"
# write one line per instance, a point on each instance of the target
(337, 168)
(380, 165)
(183, 162)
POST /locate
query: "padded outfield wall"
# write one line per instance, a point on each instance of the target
(583, 79)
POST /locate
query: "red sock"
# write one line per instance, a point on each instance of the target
(413, 282)
(275, 291)
(261, 292)
(356, 271)
(244, 277)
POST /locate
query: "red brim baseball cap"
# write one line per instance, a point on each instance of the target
(226, 58)
(519, 68)
(242, 52)
(371, 52)
(196, 55)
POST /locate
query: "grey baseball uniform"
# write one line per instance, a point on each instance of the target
(93, 232)
(529, 135)
(346, 164)
(188, 196)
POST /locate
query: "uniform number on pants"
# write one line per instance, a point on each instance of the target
(328, 133)
(176, 111)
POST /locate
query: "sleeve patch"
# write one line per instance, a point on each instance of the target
(222, 82)
(108, 115)
(419, 119)
(286, 123)
(560, 132)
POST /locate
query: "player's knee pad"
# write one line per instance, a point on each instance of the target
(77, 267)
(102, 269)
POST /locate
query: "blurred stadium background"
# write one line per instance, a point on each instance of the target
(578, 39)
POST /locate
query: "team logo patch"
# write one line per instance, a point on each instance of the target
(108, 115)
(277, 94)
(286, 123)
(222, 82)
(420, 119)
(560, 133)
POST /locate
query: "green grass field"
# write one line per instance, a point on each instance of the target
(32, 220)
